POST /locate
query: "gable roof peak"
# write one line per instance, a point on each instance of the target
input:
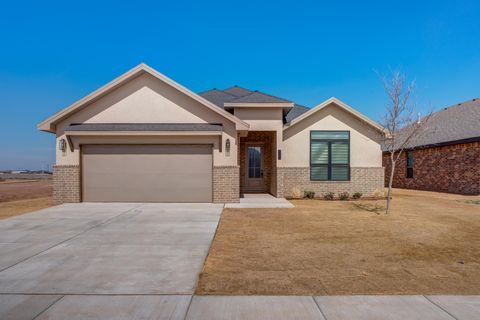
(50, 123)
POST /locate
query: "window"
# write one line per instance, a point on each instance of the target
(329, 155)
(409, 164)
(254, 162)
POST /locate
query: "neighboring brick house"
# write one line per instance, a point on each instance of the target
(446, 157)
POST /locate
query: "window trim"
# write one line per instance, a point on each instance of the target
(407, 176)
(330, 165)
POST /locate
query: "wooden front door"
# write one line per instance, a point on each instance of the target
(254, 180)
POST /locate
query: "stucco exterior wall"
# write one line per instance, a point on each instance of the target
(365, 150)
(261, 119)
(146, 99)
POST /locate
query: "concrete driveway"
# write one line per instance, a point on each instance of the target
(107, 249)
(141, 261)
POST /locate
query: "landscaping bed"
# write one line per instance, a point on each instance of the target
(428, 244)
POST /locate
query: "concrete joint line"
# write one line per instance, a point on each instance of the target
(436, 305)
(72, 237)
(319, 309)
(48, 307)
(188, 308)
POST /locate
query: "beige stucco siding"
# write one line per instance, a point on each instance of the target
(365, 148)
(261, 119)
(146, 99)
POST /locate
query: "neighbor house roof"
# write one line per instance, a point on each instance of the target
(454, 124)
(49, 124)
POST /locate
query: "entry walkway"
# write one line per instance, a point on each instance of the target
(260, 200)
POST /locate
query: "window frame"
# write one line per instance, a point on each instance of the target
(330, 165)
(407, 167)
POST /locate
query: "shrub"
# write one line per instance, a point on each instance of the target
(344, 196)
(329, 196)
(357, 195)
(309, 194)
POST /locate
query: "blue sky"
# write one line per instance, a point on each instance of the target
(53, 53)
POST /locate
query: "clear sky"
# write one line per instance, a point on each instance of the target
(53, 53)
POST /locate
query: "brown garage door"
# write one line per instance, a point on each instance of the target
(147, 173)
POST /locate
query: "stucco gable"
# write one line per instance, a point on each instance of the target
(141, 95)
(338, 104)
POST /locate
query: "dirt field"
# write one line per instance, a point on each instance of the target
(428, 244)
(22, 196)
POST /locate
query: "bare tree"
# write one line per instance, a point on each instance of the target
(401, 122)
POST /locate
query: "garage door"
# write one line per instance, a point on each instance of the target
(147, 173)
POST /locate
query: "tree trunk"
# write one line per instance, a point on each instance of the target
(390, 183)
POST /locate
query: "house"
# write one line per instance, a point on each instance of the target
(446, 155)
(144, 137)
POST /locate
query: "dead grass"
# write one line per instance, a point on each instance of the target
(15, 208)
(429, 244)
(23, 196)
(11, 190)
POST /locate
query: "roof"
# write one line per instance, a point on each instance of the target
(144, 127)
(456, 123)
(218, 97)
(49, 124)
(340, 104)
(237, 91)
(295, 112)
(237, 94)
(259, 97)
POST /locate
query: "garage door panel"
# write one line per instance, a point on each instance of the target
(156, 173)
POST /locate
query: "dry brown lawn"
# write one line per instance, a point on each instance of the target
(23, 196)
(428, 244)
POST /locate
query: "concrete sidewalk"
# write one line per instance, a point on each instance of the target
(259, 200)
(239, 307)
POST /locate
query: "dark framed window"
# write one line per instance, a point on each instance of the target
(330, 155)
(409, 164)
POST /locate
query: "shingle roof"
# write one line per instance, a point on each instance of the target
(259, 97)
(455, 123)
(144, 127)
(218, 97)
(296, 111)
(237, 91)
(238, 94)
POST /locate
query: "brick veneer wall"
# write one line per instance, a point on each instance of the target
(454, 169)
(66, 183)
(293, 181)
(226, 184)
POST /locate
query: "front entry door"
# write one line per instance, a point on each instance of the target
(254, 169)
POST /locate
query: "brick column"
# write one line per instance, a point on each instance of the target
(226, 184)
(66, 183)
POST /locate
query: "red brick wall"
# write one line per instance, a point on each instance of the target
(454, 169)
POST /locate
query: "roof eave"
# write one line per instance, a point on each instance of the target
(260, 104)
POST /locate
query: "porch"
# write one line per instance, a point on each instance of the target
(258, 163)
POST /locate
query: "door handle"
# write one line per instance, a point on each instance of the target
(261, 173)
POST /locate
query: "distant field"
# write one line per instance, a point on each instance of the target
(18, 196)
(25, 176)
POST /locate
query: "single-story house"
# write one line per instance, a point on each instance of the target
(445, 157)
(145, 138)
